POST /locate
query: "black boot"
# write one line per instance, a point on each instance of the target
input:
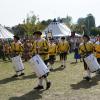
(98, 72)
(39, 87)
(22, 74)
(87, 78)
(48, 85)
(14, 76)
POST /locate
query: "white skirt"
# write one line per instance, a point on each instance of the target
(17, 63)
(92, 63)
(39, 66)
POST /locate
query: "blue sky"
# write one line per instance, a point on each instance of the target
(12, 12)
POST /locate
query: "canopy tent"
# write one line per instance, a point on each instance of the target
(57, 29)
(5, 34)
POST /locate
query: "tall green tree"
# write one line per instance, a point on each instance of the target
(19, 30)
(30, 23)
(67, 20)
(86, 24)
(89, 22)
(95, 31)
(81, 28)
(81, 21)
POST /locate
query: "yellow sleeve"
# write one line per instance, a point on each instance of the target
(21, 48)
(58, 48)
(12, 47)
(81, 51)
(32, 50)
(45, 46)
(68, 47)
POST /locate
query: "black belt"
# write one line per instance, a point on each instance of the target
(14, 54)
(97, 52)
(43, 53)
(87, 54)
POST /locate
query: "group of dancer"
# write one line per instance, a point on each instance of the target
(47, 50)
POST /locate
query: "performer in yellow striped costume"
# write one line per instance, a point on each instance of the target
(63, 48)
(85, 49)
(52, 53)
(40, 46)
(16, 50)
(7, 50)
(97, 49)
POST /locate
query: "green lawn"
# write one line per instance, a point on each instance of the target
(67, 84)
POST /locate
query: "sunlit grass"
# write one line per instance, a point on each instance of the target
(67, 84)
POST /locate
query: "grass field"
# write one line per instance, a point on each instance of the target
(67, 84)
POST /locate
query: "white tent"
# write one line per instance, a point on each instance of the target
(5, 34)
(57, 29)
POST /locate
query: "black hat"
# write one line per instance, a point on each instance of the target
(17, 37)
(51, 39)
(63, 38)
(86, 37)
(37, 32)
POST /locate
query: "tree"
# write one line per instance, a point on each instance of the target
(30, 23)
(31, 18)
(80, 29)
(46, 22)
(86, 24)
(89, 22)
(67, 20)
(19, 30)
(95, 31)
(81, 25)
(81, 21)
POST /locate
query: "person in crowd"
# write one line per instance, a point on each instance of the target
(27, 50)
(63, 49)
(2, 54)
(40, 47)
(16, 53)
(52, 53)
(76, 53)
(7, 50)
(97, 49)
(85, 49)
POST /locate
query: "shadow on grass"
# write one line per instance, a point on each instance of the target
(85, 84)
(73, 62)
(32, 95)
(5, 61)
(58, 69)
(7, 80)
(29, 76)
(10, 79)
(76, 62)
